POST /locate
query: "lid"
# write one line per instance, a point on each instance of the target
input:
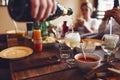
(36, 25)
(70, 11)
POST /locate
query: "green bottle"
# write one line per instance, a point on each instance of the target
(44, 29)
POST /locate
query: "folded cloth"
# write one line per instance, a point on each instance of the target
(36, 63)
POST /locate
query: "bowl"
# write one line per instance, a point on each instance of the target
(92, 61)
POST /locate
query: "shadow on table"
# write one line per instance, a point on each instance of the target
(5, 74)
(4, 70)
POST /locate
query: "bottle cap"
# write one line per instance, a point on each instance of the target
(70, 11)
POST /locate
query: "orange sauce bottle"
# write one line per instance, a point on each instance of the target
(37, 39)
(37, 34)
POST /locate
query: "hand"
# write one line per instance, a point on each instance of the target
(107, 15)
(116, 14)
(41, 9)
(81, 21)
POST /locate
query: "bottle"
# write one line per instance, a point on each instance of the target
(64, 28)
(29, 32)
(116, 4)
(44, 30)
(29, 35)
(19, 10)
(37, 38)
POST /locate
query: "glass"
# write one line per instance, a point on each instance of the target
(72, 40)
(110, 45)
(64, 51)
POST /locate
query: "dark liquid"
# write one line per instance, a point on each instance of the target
(88, 59)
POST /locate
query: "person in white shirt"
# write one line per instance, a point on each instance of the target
(105, 27)
(89, 24)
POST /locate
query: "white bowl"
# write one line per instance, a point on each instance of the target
(85, 64)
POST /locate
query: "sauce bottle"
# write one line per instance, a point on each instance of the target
(37, 38)
(64, 28)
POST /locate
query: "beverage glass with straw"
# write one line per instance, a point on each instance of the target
(72, 39)
(111, 44)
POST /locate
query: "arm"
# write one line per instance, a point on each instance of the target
(81, 22)
(88, 29)
(116, 15)
(102, 26)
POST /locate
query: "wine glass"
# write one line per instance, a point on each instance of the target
(72, 39)
(110, 45)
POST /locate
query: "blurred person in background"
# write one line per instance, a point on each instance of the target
(86, 23)
(114, 16)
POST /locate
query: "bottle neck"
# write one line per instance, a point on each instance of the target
(67, 11)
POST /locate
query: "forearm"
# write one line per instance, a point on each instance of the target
(87, 29)
(102, 26)
(117, 18)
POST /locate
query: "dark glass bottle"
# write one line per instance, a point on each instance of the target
(116, 4)
(29, 32)
(64, 28)
(19, 10)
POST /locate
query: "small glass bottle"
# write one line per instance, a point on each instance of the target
(44, 30)
(37, 38)
(29, 33)
(64, 28)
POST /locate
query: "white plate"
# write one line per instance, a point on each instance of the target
(16, 52)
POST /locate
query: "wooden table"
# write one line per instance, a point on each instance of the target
(60, 71)
(39, 73)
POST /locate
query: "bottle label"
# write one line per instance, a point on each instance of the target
(37, 34)
(38, 45)
(44, 33)
(65, 11)
(37, 41)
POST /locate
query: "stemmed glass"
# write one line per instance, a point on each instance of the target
(110, 45)
(72, 39)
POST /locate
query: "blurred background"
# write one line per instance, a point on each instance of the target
(99, 6)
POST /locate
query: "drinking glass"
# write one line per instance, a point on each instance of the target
(110, 45)
(64, 51)
(72, 39)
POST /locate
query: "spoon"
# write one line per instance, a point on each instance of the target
(83, 52)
